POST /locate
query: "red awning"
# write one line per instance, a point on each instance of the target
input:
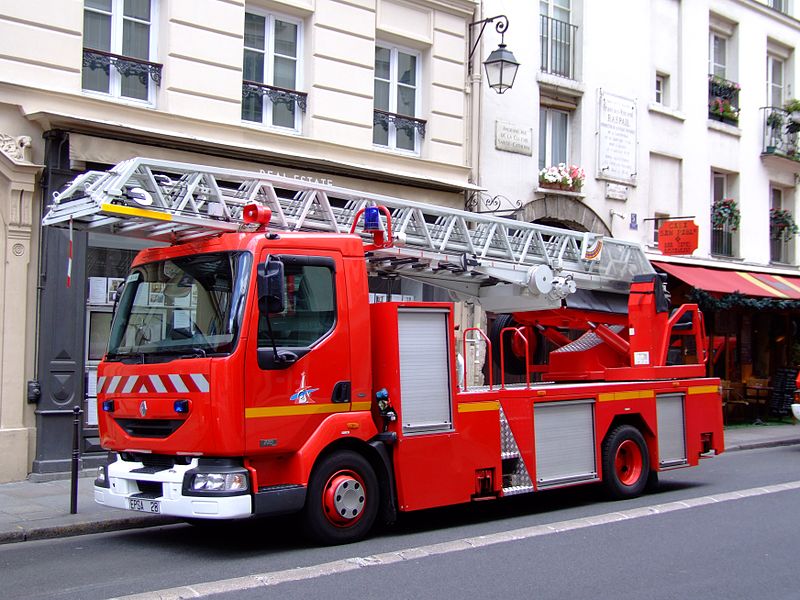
(725, 281)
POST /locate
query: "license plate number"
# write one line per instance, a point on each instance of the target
(144, 505)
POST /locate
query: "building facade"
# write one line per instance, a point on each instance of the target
(366, 94)
(672, 109)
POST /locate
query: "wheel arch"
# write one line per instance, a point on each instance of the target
(639, 422)
(378, 455)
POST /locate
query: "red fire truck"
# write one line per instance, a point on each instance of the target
(248, 373)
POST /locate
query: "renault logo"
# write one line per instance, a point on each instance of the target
(143, 408)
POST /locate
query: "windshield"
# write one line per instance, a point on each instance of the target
(189, 306)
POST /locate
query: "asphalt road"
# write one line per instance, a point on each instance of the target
(571, 544)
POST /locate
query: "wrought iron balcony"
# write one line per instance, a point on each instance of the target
(383, 118)
(723, 100)
(276, 95)
(557, 40)
(127, 66)
(780, 132)
(722, 240)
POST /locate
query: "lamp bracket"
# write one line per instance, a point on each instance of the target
(501, 26)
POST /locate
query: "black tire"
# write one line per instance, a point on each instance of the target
(514, 365)
(626, 462)
(343, 482)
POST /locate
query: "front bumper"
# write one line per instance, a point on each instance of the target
(127, 480)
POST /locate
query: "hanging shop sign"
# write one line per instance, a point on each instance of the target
(677, 237)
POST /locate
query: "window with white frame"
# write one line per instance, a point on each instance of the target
(119, 47)
(553, 136)
(775, 83)
(271, 70)
(718, 55)
(662, 89)
(397, 99)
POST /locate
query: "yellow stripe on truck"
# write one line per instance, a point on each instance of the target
(303, 409)
(703, 389)
(637, 395)
(467, 407)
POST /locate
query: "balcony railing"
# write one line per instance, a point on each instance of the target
(383, 118)
(723, 100)
(779, 251)
(276, 95)
(722, 241)
(780, 132)
(127, 66)
(557, 46)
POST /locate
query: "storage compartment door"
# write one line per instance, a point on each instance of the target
(424, 370)
(564, 442)
(671, 430)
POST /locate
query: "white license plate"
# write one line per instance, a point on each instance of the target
(144, 505)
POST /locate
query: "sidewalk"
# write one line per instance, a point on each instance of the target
(34, 511)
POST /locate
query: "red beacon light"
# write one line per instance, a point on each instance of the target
(256, 213)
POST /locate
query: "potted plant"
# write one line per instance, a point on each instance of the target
(781, 225)
(775, 121)
(562, 177)
(723, 110)
(725, 219)
(725, 214)
(793, 108)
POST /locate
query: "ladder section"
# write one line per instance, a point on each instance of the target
(172, 202)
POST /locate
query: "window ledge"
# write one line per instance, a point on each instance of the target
(133, 102)
(570, 87)
(263, 127)
(552, 192)
(660, 109)
(731, 130)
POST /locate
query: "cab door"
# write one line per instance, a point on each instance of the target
(287, 398)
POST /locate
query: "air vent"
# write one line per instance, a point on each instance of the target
(150, 428)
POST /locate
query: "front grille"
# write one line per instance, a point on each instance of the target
(150, 428)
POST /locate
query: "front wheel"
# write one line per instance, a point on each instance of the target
(626, 463)
(342, 500)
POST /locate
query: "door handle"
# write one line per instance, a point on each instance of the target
(341, 393)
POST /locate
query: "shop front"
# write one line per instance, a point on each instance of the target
(753, 324)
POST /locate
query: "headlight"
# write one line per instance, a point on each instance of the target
(220, 482)
(101, 475)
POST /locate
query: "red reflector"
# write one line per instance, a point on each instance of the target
(256, 213)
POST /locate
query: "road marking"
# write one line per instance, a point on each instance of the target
(200, 590)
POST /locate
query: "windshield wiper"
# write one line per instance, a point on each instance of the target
(120, 356)
(194, 352)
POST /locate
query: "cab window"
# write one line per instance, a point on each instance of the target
(309, 308)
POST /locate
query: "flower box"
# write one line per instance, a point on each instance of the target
(562, 177)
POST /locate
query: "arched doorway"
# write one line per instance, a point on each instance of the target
(557, 210)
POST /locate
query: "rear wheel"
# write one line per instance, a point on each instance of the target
(342, 500)
(626, 463)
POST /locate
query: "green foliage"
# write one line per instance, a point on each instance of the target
(725, 212)
(781, 225)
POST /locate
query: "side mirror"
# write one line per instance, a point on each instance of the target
(271, 287)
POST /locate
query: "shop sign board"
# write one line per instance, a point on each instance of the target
(677, 237)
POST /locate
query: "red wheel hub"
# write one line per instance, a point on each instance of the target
(344, 498)
(628, 462)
